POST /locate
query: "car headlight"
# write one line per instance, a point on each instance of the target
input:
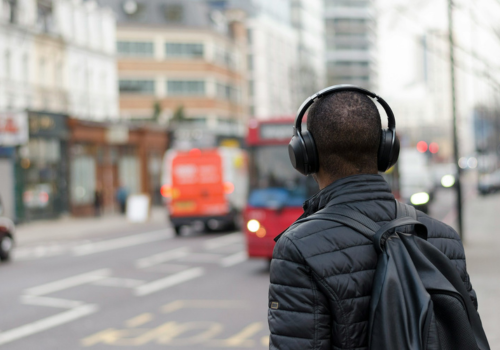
(419, 198)
(253, 225)
(448, 181)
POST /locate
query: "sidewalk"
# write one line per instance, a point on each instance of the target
(71, 228)
(482, 248)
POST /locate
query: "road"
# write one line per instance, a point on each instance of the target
(135, 289)
(131, 287)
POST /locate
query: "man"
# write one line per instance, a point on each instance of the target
(322, 272)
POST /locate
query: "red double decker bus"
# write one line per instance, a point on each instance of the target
(277, 191)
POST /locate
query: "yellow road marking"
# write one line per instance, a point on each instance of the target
(240, 339)
(202, 304)
(265, 341)
(208, 331)
(109, 336)
(139, 320)
(167, 333)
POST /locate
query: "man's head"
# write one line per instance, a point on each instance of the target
(346, 128)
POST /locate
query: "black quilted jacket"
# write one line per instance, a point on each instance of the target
(322, 272)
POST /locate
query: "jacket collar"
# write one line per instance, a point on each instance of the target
(349, 189)
(353, 188)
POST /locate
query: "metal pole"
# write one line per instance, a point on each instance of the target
(458, 184)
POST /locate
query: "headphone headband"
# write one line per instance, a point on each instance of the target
(338, 88)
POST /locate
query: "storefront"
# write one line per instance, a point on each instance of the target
(13, 133)
(41, 168)
(105, 157)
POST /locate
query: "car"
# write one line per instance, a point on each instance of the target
(489, 183)
(444, 175)
(7, 229)
(416, 179)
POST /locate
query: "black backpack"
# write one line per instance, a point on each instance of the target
(419, 301)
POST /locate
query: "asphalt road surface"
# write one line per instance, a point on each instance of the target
(139, 289)
(144, 290)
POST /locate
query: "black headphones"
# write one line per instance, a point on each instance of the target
(302, 148)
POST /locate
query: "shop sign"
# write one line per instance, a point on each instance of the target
(117, 134)
(48, 125)
(13, 128)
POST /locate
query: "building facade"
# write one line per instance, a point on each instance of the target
(307, 19)
(56, 59)
(180, 60)
(350, 38)
(58, 56)
(104, 157)
(272, 60)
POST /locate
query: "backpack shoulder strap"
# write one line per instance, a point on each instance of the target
(403, 210)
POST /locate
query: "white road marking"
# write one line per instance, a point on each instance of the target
(69, 282)
(119, 282)
(234, 259)
(49, 249)
(46, 323)
(161, 257)
(201, 258)
(168, 268)
(169, 281)
(118, 243)
(223, 241)
(50, 302)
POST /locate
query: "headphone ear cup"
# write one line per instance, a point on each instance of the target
(395, 152)
(312, 152)
(297, 154)
(384, 150)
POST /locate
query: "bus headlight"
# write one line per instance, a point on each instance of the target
(419, 198)
(448, 181)
(253, 225)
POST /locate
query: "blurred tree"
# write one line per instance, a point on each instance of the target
(156, 111)
(179, 115)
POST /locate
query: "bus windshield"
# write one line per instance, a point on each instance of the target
(274, 182)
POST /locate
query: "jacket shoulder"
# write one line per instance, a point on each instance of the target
(443, 237)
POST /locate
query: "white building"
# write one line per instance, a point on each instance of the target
(273, 63)
(56, 60)
(307, 19)
(58, 56)
(350, 36)
(16, 43)
(91, 75)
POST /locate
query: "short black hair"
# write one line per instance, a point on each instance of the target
(346, 128)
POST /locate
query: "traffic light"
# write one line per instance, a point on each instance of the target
(422, 146)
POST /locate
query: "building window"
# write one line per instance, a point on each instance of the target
(186, 87)
(250, 62)
(227, 92)
(250, 88)
(83, 184)
(135, 48)
(347, 3)
(351, 78)
(45, 18)
(184, 50)
(347, 64)
(137, 86)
